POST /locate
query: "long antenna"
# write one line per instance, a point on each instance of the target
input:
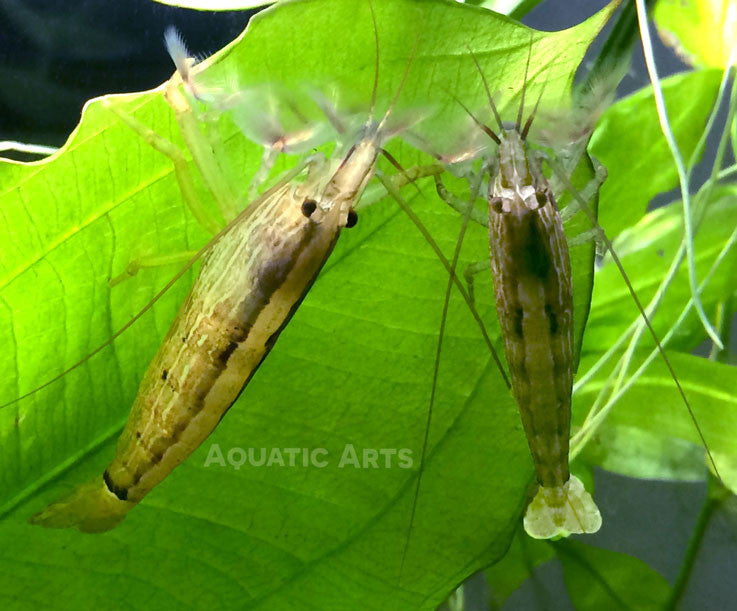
(375, 87)
(528, 123)
(485, 128)
(436, 369)
(489, 97)
(521, 110)
(404, 80)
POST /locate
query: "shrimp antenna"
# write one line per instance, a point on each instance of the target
(528, 123)
(375, 87)
(404, 80)
(389, 110)
(489, 97)
(485, 128)
(521, 110)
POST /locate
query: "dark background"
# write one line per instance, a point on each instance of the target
(55, 55)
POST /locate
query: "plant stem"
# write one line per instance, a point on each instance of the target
(680, 166)
(715, 497)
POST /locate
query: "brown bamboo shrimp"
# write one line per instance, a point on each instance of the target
(532, 280)
(251, 282)
(533, 286)
(522, 266)
(561, 505)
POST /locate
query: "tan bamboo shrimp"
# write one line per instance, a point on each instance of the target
(230, 321)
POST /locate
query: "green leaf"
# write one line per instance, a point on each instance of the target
(653, 405)
(632, 451)
(352, 370)
(601, 579)
(629, 142)
(700, 31)
(646, 251)
(524, 555)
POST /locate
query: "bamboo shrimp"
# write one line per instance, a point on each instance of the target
(251, 282)
(531, 270)
(532, 284)
(532, 279)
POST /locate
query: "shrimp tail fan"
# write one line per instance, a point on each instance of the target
(562, 510)
(91, 508)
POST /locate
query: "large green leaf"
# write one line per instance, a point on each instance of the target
(647, 250)
(602, 579)
(630, 143)
(653, 406)
(353, 368)
(700, 31)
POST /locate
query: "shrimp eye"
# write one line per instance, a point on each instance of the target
(541, 198)
(308, 207)
(496, 204)
(352, 219)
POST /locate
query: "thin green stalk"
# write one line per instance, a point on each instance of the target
(700, 202)
(729, 171)
(592, 422)
(637, 324)
(716, 496)
(707, 188)
(701, 144)
(722, 324)
(680, 166)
